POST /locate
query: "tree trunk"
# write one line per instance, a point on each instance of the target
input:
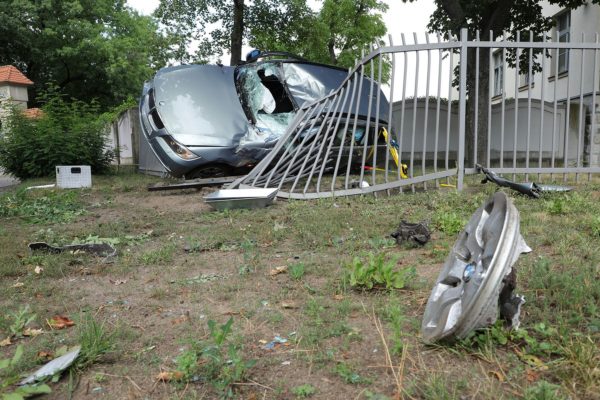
(237, 33)
(331, 50)
(482, 100)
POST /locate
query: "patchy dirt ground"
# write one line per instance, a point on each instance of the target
(180, 264)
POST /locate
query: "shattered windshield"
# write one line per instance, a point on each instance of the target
(265, 98)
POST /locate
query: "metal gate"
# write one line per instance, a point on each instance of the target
(399, 119)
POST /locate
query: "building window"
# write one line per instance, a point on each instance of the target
(563, 33)
(525, 80)
(498, 73)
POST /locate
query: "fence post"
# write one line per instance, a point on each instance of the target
(462, 107)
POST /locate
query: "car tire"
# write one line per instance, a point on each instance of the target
(210, 171)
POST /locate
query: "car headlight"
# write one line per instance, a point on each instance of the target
(179, 149)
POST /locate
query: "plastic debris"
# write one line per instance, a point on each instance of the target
(203, 278)
(54, 367)
(278, 270)
(415, 233)
(289, 305)
(168, 376)
(60, 322)
(275, 343)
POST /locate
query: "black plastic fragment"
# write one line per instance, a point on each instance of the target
(98, 249)
(415, 233)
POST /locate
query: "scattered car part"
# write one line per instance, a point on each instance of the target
(554, 188)
(476, 279)
(240, 198)
(192, 184)
(530, 189)
(49, 186)
(415, 233)
(53, 367)
(199, 116)
(98, 249)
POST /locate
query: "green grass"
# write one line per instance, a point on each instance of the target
(180, 265)
(44, 207)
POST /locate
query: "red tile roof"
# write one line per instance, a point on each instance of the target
(11, 74)
(33, 113)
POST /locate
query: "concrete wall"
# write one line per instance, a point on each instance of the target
(123, 138)
(425, 130)
(13, 95)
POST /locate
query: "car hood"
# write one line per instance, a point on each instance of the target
(199, 105)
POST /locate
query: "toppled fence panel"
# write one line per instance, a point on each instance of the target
(436, 110)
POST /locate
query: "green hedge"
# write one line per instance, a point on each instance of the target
(68, 133)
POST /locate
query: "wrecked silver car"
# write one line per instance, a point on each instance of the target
(209, 120)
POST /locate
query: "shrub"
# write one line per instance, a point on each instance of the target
(68, 133)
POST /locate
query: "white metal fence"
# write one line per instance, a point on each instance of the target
(406, 125)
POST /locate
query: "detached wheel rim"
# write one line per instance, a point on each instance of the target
(465, 296)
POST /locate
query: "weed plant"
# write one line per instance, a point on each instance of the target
(377, 272)
(218, 361)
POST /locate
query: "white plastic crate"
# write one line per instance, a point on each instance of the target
(73, 176)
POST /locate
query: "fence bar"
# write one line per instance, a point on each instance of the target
(529, 81)
(462, 108)
(593, 113)
(368, 127)
(580, 131)
(390, 116)
(360, 77)
(543, 105)
(414, 124)
(449, 116)
(376, 142)
(476, 100)
(568, 116)
(437, 111)
(517, 55)
(401, 133)
(554, 133)
(503, 102)
(491, 95)
(424, 156)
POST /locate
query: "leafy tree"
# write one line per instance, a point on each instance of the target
(91, 49)
(221, 26)
(491, 18)
(335, 34)
(350, 26)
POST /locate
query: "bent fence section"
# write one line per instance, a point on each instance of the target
(419, 128)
